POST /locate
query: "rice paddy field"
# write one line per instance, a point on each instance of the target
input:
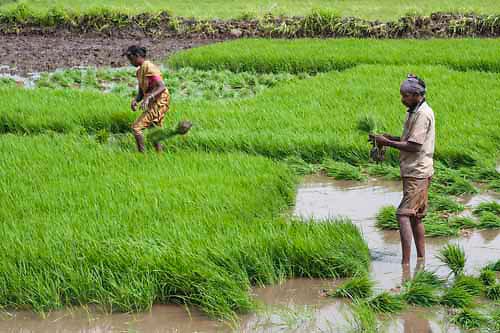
(87, 221)
(382, 9)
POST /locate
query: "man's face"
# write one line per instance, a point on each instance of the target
(409, 100)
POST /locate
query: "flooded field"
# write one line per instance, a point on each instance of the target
(297, 305)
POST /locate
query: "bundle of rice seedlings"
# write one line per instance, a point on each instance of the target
(420, 294)
(448, 181)
(301, 167)
(158, 135)
(468, 319)
(437, 226)
(488, 277)
(442, 203)
(342, 170)
(488, 220)
(495, 266)
(429, 278)
(364, 319)
(386, 218)
(456, 297)
(495, 320)
(356, 288)
(462, 222)
(493, 292)
(453, 256)
(470, 284)
(386, 303)
(367, 123)
(492, 207)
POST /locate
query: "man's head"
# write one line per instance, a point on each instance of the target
(412, 91)
(136, 55)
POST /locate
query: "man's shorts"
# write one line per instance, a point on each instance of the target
(415, 197)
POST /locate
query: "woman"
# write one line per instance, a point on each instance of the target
(151, 91)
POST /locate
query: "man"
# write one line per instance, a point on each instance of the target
(416, 147)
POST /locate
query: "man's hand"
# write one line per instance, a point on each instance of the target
(133, 105)
(380, 140)
(146, 102)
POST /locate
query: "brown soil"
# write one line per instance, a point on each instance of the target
(23, 54)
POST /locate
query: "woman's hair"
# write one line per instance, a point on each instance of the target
(135, 50)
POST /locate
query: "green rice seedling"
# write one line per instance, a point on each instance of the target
(494, 319)
(493, 292)
(437, 226)
(419, 294)
(295, 56)
(456, 297)
(470, 284)
(453, 256)
(428, 278)
(494, 266)
(301, 167)
(368, 124)
(342, 170)
(468, 319)
(386, 302)
(494, 185)
(364, 318)
(386, 218)
(357, 287)
(462, 222)
(488, 277)
(492, 207)
(488, 220)
(443, 203)
(451, 182)
(200, 239)
(383, 170)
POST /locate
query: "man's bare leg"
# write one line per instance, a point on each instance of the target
(405, 232)
(418, 230)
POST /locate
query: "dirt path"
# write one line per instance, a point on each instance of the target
(38, 53)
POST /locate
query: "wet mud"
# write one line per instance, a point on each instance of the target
(297, 305)
(23, 54)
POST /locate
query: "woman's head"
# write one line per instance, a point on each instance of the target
(136, 55)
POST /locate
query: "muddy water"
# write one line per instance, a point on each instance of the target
(296, 305)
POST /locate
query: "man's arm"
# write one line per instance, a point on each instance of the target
(407, 146)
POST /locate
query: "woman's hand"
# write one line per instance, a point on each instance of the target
(146, 102)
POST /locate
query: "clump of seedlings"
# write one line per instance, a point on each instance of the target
(456, 297)
(437, 226)
(301, 167)
(364, 319)
(358, 287)
(493, 292)
(342, 170)
(470, 284)
(453, 256)
(386, 218)
(488, 220)
(383, 170)
(488, 277)
(462, 222)
(420, 294)
(442, 203)
(428, 278)
(495, 266)
(468, 319)
(386, 302)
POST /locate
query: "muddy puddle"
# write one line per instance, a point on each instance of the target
(297, 305)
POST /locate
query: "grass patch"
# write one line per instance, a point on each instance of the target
(356, 288)
(141, 236)
(488, 277)
(453, 256)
